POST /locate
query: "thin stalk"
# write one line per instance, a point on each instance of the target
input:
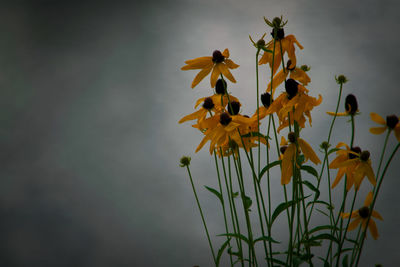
(201, 214)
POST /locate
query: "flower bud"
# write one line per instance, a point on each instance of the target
(350, 104)
(220, 87)
(185, 161)
(235, 108)
(341, 79)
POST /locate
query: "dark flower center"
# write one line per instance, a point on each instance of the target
(288, 65)
(220, 87)
(364, 212)
(350, 104)
(356, 150)
(208, 103)
(266, 99)
(292, 137)
(364, 155)
(291, 87)
(217, 56)
(283, 149)
(280, 34)
(235, 108)
(225, 119)
(391, 121)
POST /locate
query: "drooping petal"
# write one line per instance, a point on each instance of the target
(195, 115)
(300, 75)
(377, 118)
(214, 75)
(200, 76)
(397, 131)
(373, 229)
(276, 81)
(377, 215)
(287, 164)
(199, 101)
(308, 151)
(231, 64)
(339, 176)
(353, 225)
(377, 130)
(370, 174)
(225, 71)
(337, 114)
(368, 199)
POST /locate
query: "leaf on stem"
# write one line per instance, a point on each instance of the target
(269, 166)
(221, 250)
(215, 192)
(313, 188)
(310, 170)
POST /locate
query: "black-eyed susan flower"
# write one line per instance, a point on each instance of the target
(294, 73)
(227, 128)
(289, 156)
(391, 123)
(294, 104)
(361, 217)
(217, 64)
(201, 114)
(350, 105)
(355, 163)
(288, 47)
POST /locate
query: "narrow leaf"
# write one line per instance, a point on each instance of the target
(310, 170)
(269, 166)
(221, 250)
(333, 150)
(313, 188)
(266, 238)
(215, 192)
(283, 206)
(325, 236)
(240, 236)
(247, 202)
(323, 227)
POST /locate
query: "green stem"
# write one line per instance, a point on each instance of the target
(201, 214)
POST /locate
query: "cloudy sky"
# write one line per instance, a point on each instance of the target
(90, 97)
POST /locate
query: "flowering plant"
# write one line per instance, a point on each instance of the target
(232, 136)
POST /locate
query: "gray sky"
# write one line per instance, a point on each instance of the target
(91, 95)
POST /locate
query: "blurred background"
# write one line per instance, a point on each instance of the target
(91, 93)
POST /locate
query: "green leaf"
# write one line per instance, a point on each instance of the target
(345, 261)
(325, 236)
(240, 236)
(323, 212)
(333, 150)
(235, 194)
(215, 192)
(247, 202)
(322, 227)
(300, 159)
(277, 261)
(283, 206)
(234, 253)
(256, 134)
(266, 238)
(313, 188)
(266, 50)
(310, 170)
(269, 166)
(352, 241)
(319, 202)
(221, 250)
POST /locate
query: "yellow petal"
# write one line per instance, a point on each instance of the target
(276, 81)
(214, 75)
(225, 71)
(353, 225)
(195, 115)
(377, 118)
(308, 151)
(231, 64)
(377, 215)
(300, 75)
(337, 114)
(373, 229)
(368, 199)
(226, 53)
(370, 174)
(200, 76)
(197, 60)
(287, 164)
(397, 131)
(199, 101)
(283, 141)
(339, 176)
(377, 130)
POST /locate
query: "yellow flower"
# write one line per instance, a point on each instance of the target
(294, 73)
(350, 105)
(218, 63)
(224, 127)
(289, 156)
(361, 216)
(287, 46)
(296, 98)
(355, 163)
(201, 114)
(391, 123)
